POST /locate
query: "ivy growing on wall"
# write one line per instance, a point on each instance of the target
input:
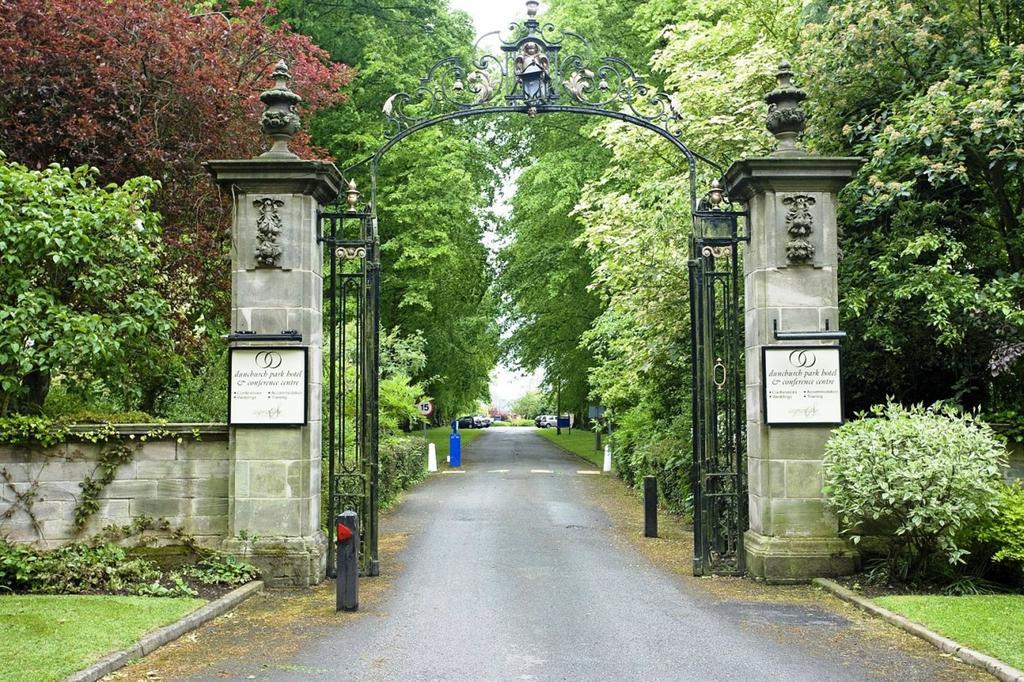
(41, 434)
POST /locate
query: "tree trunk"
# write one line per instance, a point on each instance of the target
(37, 383)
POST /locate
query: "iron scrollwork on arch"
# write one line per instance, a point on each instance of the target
(540, 68)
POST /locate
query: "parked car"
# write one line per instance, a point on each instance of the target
(543, 421)
(481, 422)
(468, 422)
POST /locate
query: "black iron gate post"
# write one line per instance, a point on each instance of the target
(719, 461)
(372, 369)
(351, 440)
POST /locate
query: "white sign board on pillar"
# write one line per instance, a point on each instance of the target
(267, 387)
(802, 385)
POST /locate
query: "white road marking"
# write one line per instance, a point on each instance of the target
(453, 471)
(498, 471)
(541, 471)
(589, 472)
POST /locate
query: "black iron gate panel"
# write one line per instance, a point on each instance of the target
(719, 443)
(350, 433)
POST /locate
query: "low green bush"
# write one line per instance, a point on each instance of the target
(403, 464)
(201, 395)
(101, 417)
(30, 430)
(1008, 423)
(74, 569)
(644, 446)
(1003, 533)
(84, 568)
(46, 431)
(922, 475)
(221, 569)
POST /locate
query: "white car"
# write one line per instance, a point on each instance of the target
(545, 420)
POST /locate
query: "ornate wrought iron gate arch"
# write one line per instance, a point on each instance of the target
(536, 79)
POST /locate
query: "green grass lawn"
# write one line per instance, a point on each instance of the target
(439, 437)
(48, 637)
(993, 624)
(579, 441)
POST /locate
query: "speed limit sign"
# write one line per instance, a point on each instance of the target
(426, 408)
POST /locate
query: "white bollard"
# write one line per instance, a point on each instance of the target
(431, 458)
(607, 458)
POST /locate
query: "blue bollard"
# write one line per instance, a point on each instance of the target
(455, 447)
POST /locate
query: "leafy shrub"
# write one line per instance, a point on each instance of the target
(44, 431)
(219, 568)
(200, 396)
(85, 401)
(178, 588)
(1009, 423)
(54, 321)
(1004, 531)
(643, 446)
(74, 569)
(101, 417)
(85, 568)
(17, 566)
(403, 464)
(32, 430)
(921, 474)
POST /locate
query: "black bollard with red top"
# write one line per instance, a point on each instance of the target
(347, 527)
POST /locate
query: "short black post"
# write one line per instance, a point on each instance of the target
(650, 507)
(347, 527)
(597, 440)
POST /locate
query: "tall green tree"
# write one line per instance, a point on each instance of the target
(78, 275)
(627, 193)
(545, 279)
(932, 96)
(434, 188)
(155, 89)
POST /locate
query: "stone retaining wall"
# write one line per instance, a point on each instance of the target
(182, 478)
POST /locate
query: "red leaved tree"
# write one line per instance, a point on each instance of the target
(152, 88)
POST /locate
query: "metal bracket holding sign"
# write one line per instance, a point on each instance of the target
(267, 386)
(801, 386)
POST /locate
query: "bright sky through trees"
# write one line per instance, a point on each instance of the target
(493, 15)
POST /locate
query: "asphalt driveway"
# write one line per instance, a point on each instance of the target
(527, 565)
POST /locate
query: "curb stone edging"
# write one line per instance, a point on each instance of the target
(989, 664)
(152, 641)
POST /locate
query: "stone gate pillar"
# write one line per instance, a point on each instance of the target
(277, 289)
(790, 283)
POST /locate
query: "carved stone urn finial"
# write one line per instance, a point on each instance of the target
(352, 195)
(280, 120)
(786, 118)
